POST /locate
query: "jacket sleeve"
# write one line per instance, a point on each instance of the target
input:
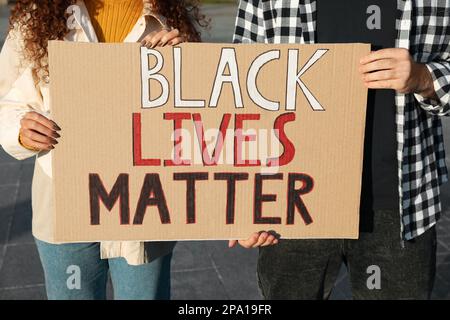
(13, 102)
(440, 71)
(439, 68)
(249, 26)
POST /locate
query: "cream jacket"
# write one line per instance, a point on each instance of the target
(21, 92)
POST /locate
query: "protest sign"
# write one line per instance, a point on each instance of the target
(206, 141)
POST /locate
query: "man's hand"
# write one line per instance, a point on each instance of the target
(259, 239)
(395, 69)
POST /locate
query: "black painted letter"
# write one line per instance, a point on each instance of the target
(231, 179)
(152, 187)
(294, 197)
(98, 193)
(260, 198)
(190, 179)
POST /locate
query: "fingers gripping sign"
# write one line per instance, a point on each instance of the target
(162, 38)
(38, 133)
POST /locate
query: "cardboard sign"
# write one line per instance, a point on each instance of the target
(207, 141)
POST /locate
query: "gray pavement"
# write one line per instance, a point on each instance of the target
(3, 20)
(200, 270)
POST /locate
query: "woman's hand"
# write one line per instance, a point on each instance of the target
(259, 239)
(161, 38)
(38, 133)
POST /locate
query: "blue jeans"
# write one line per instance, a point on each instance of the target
(75, 271)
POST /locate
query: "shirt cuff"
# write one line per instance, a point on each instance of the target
(10, 136)
(433, 105)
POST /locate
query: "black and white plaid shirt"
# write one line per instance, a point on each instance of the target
(424, 29)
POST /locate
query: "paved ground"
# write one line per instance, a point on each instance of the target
(201, 270)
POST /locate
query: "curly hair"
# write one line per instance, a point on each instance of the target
(39, 21)
(180, 14)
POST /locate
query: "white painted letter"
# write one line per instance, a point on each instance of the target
(228, 58)
(153, 74)
(253, 91)
(293, 79)
(179, 102)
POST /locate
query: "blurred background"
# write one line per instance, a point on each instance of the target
(200, 270)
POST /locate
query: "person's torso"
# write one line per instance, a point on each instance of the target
(113, 20)
(81, 30)
(374, 22)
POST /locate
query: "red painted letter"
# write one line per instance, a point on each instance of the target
(137, 145)
(178, 138)
(240, 138)
(207, 160)
(289, 148)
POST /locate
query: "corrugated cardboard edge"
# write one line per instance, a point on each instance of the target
(52, 57)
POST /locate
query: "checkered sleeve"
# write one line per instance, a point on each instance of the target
(440, 71)
(249, 22)
(434, 31)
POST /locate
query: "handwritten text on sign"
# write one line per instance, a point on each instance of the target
(206, 141)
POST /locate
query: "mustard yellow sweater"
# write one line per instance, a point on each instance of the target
(113, 20)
